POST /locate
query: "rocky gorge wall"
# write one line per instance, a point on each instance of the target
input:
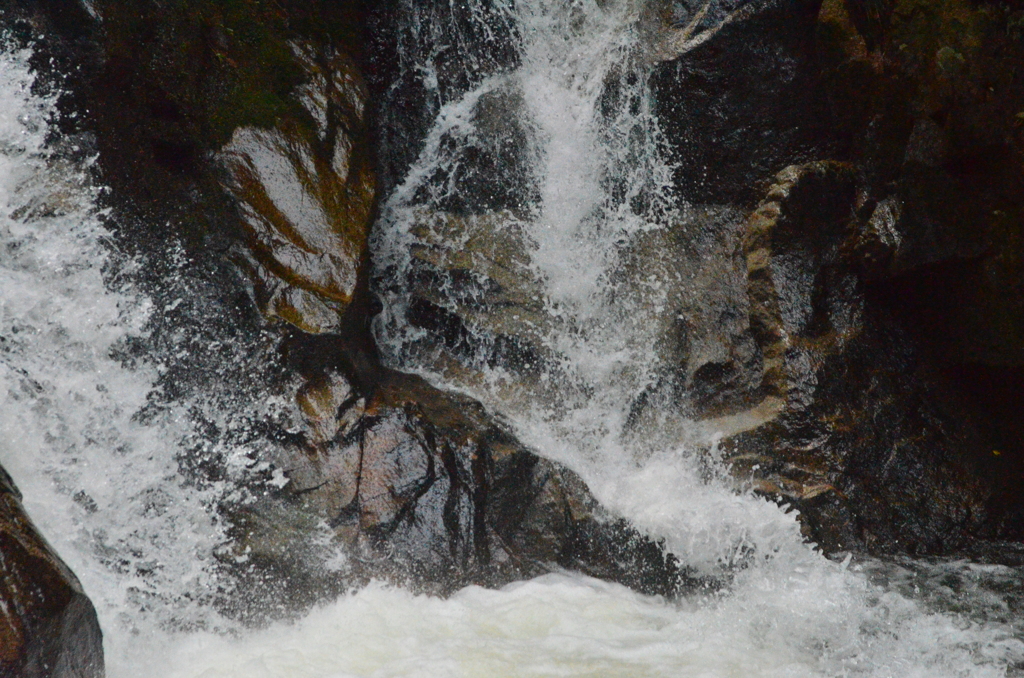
(852, 324)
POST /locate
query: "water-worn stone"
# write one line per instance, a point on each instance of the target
(306, 196)
(413, 73)
(475, 295)
(48, 627)
(868, 445)
(688, 283)
(423, 487)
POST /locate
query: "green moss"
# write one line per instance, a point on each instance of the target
(209, 66)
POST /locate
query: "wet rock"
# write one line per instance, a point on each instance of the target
(877, 244)
(688, 284)
(841, 339)
(766, 342)
(464, 45)
(673, 28)
(483, 311)
(306, 196)
(48, 627)
(744, 104)
(855, 430)
(237, 127)
(423, 487)
(477, 298)
(909, 291)
(927, 96)
(792, 244)
(930, 115)
(486, 159)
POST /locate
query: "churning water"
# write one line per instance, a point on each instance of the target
(105, 485)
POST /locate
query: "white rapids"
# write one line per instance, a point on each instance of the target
(104, 486)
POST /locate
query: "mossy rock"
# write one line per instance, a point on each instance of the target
(208, 67)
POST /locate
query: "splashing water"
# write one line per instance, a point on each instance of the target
(107, 488)
(96, 451)
(599, 181)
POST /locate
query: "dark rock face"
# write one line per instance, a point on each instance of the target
(460, 44)
(238, 130)
(868, 446)
(48, 627)
(493, 171)
(929, 100)
(745, 104)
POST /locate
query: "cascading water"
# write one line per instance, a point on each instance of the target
(98, 480)
(562, 350)
(100, 453)
(599, 184)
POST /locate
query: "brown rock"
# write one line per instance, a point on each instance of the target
(48, 627)
(306, 196)
(423, 487)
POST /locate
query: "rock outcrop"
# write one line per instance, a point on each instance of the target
(48, 627)
(424, 487)
(898, 302)
(242, 132)
(306, 193)
(930, 105)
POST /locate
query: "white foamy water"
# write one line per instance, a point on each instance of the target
(105, 486)
(559, 625)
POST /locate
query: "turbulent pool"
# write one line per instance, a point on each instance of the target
(105, 485)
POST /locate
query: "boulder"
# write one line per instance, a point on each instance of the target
(239, 127)
(773, 357)
(474, 303)
(48, 627)
(466, 43)
(423, 487)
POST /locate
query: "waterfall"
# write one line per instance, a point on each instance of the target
(104, 458)
(594, 185)
(527, 220)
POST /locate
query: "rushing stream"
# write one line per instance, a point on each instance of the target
(104, 482)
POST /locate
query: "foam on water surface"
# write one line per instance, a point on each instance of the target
(567, 625)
